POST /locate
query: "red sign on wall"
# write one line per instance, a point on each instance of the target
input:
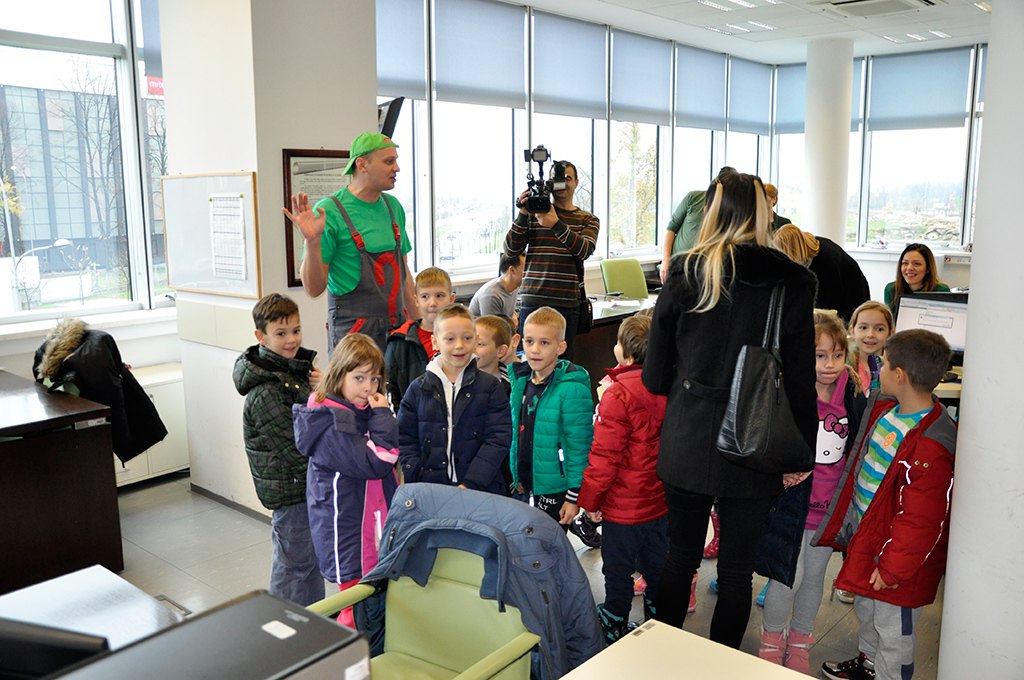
(155, 85)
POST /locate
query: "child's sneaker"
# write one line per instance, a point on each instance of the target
(798, 652)
(613, 627)
(692, 606)
(713, 586)
(858, 668)
(639, 585)
(761, 595)
(844, 596)
(584, 529)
(772, 647)
(711, 549)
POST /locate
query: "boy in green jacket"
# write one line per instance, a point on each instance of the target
(552, 420)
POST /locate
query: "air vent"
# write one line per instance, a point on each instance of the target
(868, 9)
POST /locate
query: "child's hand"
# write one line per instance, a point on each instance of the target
(568, 512)
(594, 516)
(793, 478)
(377, 399)
(877, 583)
(314, 378)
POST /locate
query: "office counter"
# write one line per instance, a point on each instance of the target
(58, 500)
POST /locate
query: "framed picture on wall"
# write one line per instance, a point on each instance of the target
(317, 172)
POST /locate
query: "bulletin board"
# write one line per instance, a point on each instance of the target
(211, 232)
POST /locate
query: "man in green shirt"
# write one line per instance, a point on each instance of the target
(356, 246)
(684, 225)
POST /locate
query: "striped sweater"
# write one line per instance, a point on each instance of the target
(552, 255)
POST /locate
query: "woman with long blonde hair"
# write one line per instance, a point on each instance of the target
(716, 300)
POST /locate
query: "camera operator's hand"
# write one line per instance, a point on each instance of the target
(522, 202)
(548, 219)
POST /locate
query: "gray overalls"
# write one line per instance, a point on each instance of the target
(375, 305)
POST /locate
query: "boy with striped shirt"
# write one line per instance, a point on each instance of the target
(891, 510)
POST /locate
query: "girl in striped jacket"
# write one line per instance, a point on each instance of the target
(351, 439)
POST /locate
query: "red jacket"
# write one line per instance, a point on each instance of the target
(621, 479)
(905, 531)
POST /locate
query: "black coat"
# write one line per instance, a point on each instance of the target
(841, 283)
(691, 357)
(782, 540)
(91, 361)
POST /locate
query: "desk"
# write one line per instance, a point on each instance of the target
(657, 650)
(949, 392)
(58, 501)
(93, 601)
(594, 350)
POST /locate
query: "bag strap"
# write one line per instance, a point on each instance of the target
(773, 323)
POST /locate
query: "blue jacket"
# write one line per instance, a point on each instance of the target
(350, 479)
(528, 563)
(481, 431)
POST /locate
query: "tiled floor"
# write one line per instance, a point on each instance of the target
(199, 553)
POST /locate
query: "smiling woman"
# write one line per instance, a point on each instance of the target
(915, 272)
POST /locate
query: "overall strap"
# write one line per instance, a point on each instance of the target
(353, 232)
(391, 214)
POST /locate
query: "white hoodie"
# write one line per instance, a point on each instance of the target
(451, 389)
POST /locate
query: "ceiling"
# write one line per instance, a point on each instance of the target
(777, 31)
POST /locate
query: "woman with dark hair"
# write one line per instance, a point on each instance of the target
(716, 300)
(915, 273)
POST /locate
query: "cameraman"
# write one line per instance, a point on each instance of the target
(555, 243)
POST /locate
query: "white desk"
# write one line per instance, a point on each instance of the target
(950, 390)
(656, 650)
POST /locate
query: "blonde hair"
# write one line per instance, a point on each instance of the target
(828, 324)
(546, 316)
(354, 350)
(434, 277)
(452, 311)
(500, 329)
(737, 213)
(798, 245)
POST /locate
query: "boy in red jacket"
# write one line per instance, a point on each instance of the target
(620, 483)
(891, 509)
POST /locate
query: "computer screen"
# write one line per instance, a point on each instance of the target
(942, 313)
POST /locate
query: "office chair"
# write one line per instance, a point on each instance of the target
(624, 276)
(444, 629)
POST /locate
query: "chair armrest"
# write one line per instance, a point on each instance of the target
(346, 598)
(501, 658)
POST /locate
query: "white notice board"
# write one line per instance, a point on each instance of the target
(211, 228)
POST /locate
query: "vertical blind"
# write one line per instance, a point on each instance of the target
(750, 86)
(641, 78)
(921, 90)
(790, 98)
(700, 88)
(401, 64)
(569, 66)
(480, 52)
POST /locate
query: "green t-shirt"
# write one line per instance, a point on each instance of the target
(372, 221)
(686, 220)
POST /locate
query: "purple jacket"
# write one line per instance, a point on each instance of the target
(349, 483)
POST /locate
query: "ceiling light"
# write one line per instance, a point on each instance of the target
(766, 27)
(895, 40)
(772, 2)
(984, 6)
(915, 36)
(717, 30)
(940, 34)
(741, 3)
(715, 5)
(739, 28)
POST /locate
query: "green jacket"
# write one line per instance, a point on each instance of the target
(565, 420)
(270, 384)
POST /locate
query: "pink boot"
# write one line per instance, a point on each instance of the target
(798, 652)
(711, 549)
(773, 646)
(692, 607)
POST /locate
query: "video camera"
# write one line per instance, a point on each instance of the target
(538, 200)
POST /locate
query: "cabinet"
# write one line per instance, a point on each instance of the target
(162, 383)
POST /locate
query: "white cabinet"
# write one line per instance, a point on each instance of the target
(162, 384)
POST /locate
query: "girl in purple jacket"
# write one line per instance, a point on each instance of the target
(351, 439)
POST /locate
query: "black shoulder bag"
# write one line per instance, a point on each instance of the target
(585, 322)
(758, 431)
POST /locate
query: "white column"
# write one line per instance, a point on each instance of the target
(827, 136)
(984, 597)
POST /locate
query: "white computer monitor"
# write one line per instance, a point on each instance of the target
(942, 313)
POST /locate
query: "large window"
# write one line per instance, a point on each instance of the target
(693, 160)
(633, 192)
(572, 139)
(78, 229)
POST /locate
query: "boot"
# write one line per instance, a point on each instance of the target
(692, 607)
(798, 652)
(711, 549)
(773, 646)
(613, 627)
